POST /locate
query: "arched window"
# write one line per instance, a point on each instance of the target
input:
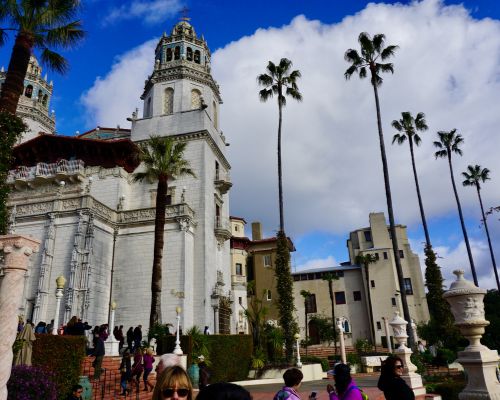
(177, 53)
(40, 96)
(29, 91)
(197, 56)
(189, 54)
(214, 106)
(168, 101)
(169, 54)
(45, 100)
(148, 107)
(195, 99)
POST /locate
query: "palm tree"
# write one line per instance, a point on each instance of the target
(329, 277)
(473, 177)
(42, 25)
(305, 294)
(163, 160)
(280, 81)
(409, 128)
(365, 261)
(449, 143)
(373, 50)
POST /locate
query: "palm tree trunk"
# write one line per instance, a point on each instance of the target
(395, 248)
(330, 289)
(280, 176)
(462, 223)
(488, 236)
(370, 308)
(419, 196)
(14, 81)
(156, 279)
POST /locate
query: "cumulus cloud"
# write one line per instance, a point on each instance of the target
(327, 262)
(151, 12)
(447, 66)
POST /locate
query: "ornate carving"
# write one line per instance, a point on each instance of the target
(102, 210)
(34, 209)
(70, 204)
(138, 215)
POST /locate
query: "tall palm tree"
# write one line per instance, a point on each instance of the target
(373, 51)
(365, 261)
(473, 177)
(330, 277)
(449, 143)
(163, 160)
(43, 25)
(279, 80)
(408, 126)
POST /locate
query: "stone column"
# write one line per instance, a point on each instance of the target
(479, 362)
(111, 345)
(387, 334)
(410, 375)
(17, 250)
(340, 329)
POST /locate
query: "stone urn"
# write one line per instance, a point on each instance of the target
(398, 325)
(467, 307)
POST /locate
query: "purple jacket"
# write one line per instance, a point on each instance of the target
(286, 393)
(351, 393)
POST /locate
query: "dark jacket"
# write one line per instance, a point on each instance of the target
(204, 375)
(395, 388)
(137, 334)
(99, 347)
(126, 368)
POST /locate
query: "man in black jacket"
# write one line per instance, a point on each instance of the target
(137, 336)
(99, 353)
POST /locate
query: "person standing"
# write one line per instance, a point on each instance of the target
(125, 373)
(137, 336)
(99, 353)
(137, 367)
(148, 361)
(207, 330)
(204, 373)
(130, 338)
(391, 382)
(120, 338)
(345, 387)
(293, 379)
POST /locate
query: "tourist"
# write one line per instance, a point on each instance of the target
(390, 381)
(207, 330)
(204, 374)
(137, 367)
(293, 378)
(137, 336)
(41, 327)
(103, 331)
(120, 338)
(421, 347)
(166, 361)
(148, 361)
(95, 336)
(50, 326)
(70, 328)
(125, 373)
(76, 392)
(173, 383)
(130, 338)
(20, 324)
(345, 388)
(224, 391)
(99, 353)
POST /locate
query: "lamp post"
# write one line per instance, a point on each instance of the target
(297, 339)
(340, 328)
(60, 281)
(178, 349)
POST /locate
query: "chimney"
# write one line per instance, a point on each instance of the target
(256, 231)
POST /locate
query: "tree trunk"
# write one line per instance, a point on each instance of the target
(18, 65)
(156, 279)
(395, 248)
(330, 289)
(488, 236)
(462, 223)
(370, 308)
(280, 176)
(419, 196)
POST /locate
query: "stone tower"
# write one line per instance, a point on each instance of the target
(34, 102)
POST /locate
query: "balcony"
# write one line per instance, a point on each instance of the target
(222, 182)
(71, 170)
(222, 229)
(238, 279)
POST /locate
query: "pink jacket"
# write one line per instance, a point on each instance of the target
(352, 393)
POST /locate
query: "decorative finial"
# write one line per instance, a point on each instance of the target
(185, 12)
(460, 274)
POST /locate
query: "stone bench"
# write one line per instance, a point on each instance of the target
(372, 363)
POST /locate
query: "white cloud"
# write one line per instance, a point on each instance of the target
(329, 262)
(151, 12)
(447, 66)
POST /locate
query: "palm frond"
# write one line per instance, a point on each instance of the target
(349, 71)
(388, 52)
(398, 138)
(264, 80)
(352, 56)
(362, 72)
(265, 94)
(54, 61)
(417, 139)
(294, 93)
(388, 67)
(65, 36)
(366, 44)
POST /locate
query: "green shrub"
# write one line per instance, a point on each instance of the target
(353, 358)
(230, 356)
(316, 360)
(418, 360)
(61, 355)
(448, 390)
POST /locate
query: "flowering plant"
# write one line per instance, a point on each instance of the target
(31, 383)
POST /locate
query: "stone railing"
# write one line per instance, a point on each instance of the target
(47, 171)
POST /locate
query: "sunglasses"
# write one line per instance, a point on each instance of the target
(169, 392)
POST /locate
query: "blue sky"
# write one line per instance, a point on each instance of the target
(331, 160)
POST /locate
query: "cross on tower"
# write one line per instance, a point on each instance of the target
(184, 13)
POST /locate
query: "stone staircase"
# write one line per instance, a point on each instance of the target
(108, 386)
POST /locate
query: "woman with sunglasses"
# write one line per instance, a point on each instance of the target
(391, 382)
(172, 384)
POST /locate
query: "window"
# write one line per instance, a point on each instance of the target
(393, 301)
(408, 286)
(214, 106)
(385, 255)
(45, 100)
(169, 54)
(401, 254)
(29, 91)
(372, 283)
(269, 296)
(310, 304)
(339, 297)
(168, 102)
(368, 236)
(197, 56)
(379, 325)
(189, 54)
(40, 96)
(267, 260)
(148, 107)
(357, 295)
(177, 53)
(236, 229)
(195, 99)
(239, 269)
(376, 256)
(240, 300)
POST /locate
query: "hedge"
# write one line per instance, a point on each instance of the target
(447, 390)
(63, 356)
(167, 345)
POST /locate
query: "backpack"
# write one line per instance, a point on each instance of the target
(364, 396)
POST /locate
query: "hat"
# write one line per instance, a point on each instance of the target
(201, 358)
